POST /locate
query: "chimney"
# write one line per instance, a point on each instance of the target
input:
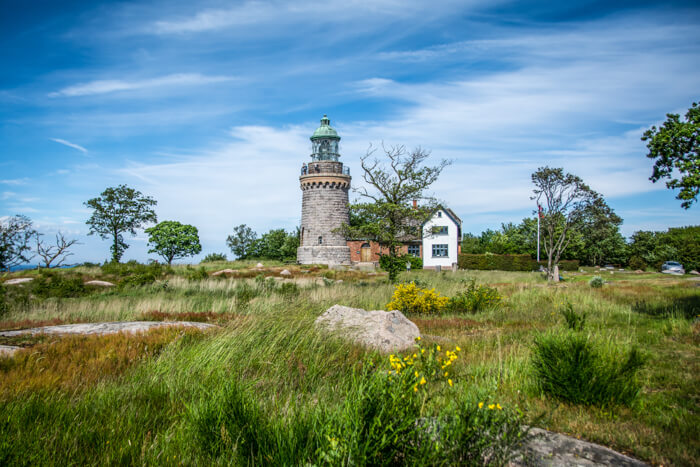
(415, 204)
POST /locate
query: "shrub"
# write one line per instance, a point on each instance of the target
(409, 298)
(383, 419)
(637, 263)
(196, 274)
(575, 369)
(3, 301)
(211, 257)
(489, 261)
(475, 298)
(288, 289)
(52, 284)
(596, 282)
(394, 265)
(574, 321)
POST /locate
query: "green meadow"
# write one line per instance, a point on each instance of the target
(266, 387)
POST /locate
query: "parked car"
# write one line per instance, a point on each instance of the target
(672, 267)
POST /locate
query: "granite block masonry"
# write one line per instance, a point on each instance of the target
(325, 184)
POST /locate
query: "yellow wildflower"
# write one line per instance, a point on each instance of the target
(449, 381)
(458, 349)
(492, 406)
(418, 338)
(422, 380)
(481, 405)
(445, 374)
(416, 373)
(498, 406)
(415, 388)
(438, 348)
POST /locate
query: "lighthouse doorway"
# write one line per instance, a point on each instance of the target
(365, 253)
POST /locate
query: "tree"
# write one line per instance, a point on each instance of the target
(600, 235)
(173, 240)
(58, 252)
(676, 148)
(15, 234)
(117, 211)
(565, 199)
(243, 242)
(388, 216)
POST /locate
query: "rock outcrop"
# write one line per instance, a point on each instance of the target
(387, 331)
(20, 280)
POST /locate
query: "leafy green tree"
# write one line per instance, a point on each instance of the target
(565, 199)
(388, 216)
(600, 235)
(686, 241)
(244, 242)
(15, 234)
(117, 211)
(676, 150)
(173, 240)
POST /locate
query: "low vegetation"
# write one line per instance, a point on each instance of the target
(616, 365)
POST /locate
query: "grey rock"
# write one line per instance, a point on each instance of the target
(285, 272)
(387, 331)
(106, 328)
(259, 265)
(20, 280)
(550, 449)
(223, 271)
(694, 272)
(8, 350)
(100, 283)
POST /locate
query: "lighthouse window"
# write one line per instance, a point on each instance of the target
(320, 240)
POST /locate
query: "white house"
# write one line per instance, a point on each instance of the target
(441, 236)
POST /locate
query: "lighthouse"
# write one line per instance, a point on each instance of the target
(325, 184)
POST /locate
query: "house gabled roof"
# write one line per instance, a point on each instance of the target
(451, 214)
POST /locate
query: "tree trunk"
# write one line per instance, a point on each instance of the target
(555, 273)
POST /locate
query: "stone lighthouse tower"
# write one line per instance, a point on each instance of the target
(324, 207)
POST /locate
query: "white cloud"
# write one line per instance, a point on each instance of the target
(115, 85)
(70, 145)
(263, 15)
(15, 181)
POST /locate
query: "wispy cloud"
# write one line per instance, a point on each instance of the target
(259, 14)
(115, 85)
(15, 181)
(70, 145)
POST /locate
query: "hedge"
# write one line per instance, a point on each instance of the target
(509, 263)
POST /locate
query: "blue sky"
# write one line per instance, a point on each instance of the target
(208, 106)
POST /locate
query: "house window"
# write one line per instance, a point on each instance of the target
(320, 240)
(439, 213)
(440, 230)
(440, 251)
(414, 250)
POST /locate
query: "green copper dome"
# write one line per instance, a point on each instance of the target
(325, 130)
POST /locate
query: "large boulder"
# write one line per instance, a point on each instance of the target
(388, 331)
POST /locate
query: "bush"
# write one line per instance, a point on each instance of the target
(211, 257)
(3, 301)
(596, 282)
(53, 284)
(409, 298)
(196, 274)
(574, 321)
(475, 298)
(383, 419)
(572, 368)
(489, 261)
(637, 263)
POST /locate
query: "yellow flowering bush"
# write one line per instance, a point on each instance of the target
(409, 298)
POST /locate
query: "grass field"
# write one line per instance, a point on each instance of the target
(257, 389)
